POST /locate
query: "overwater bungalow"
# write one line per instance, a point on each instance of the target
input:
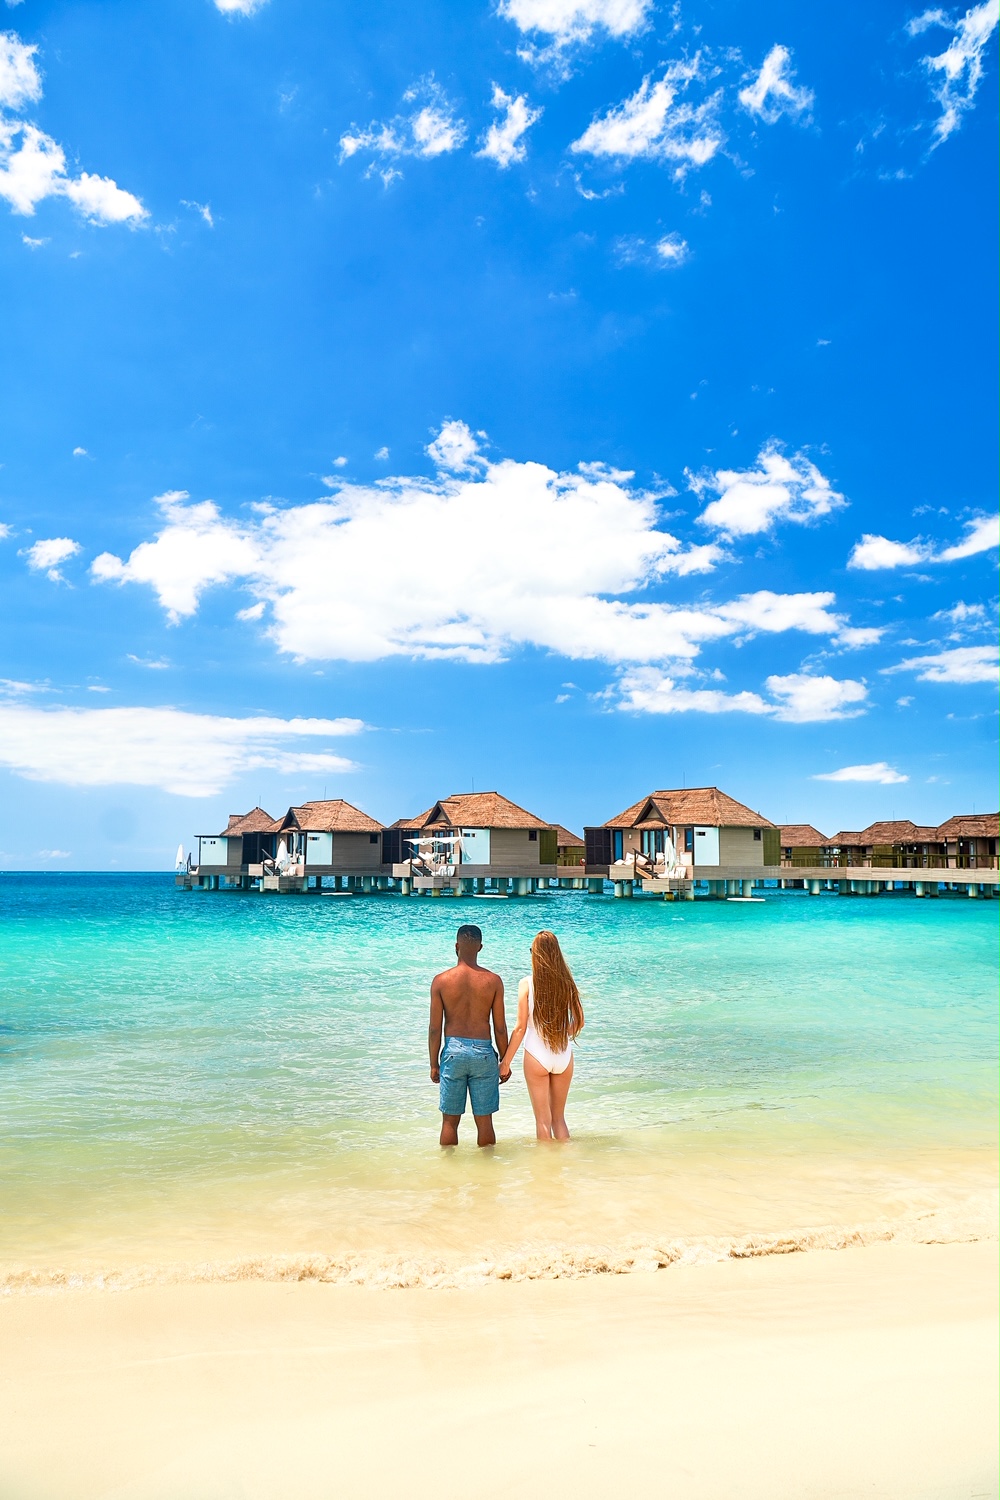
(889, 845)
(475, 836)
(681, 830)
(969, 841)
(570, 848)
(329, 837)
(247, 839)
(803, 845)
(314, 840)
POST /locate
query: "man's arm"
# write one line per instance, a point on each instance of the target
(499, 1019)
(434, 1030)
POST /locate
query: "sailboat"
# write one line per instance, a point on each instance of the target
(179, 861)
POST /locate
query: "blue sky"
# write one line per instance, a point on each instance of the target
(572, 397)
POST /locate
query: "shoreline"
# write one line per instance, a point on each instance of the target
(972, 1222)
(769, 1378)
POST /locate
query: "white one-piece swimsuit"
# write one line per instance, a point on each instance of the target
(535, 1043)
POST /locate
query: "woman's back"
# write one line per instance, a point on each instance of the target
(552, 1059)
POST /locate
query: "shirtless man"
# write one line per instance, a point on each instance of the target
(464, 1000)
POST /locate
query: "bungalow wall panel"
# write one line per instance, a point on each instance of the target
(597, 845)
(356, 851)
(706, 846)
(511, 846)
(737, 846)
(319, 848)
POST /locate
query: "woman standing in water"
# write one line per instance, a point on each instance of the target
(549, 1018)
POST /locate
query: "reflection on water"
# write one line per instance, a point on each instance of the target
(194, 1076)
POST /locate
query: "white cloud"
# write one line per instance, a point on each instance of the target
(666, 253)
(804, 699)
(33, 167)
(45, 556)
(203, 209)
(648, 690)
(101, 200)
(962, 614)
(5, 531)
(651, 124)
(956, 72)
(672, 250)
(504, 140)
(853, 636)
(467, 566)
(20, 81)
(983, 536)
(193, 551)
(879, 771)
(773, 93)
(963, 664)
(189, 754)
(570, 23)
(874, 552)
(430, 129)
(382, 454)
(778, 489)
(155, 664)
(80, 453)
(795, 699)
(54, 854)
(455, 448)
(239, 7)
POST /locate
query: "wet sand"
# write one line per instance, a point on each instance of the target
(860, 1372)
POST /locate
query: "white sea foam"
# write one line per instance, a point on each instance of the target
(975, 1219)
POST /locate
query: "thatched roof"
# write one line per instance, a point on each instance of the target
(334, 816)
(845, 839)
(565, 839)
(901, 831)
(802, 836)
(704, 805)
(474, 810)
(971, 826)
(255, 821)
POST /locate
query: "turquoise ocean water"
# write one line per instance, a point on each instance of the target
(220, 1077)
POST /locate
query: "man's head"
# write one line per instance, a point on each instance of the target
(468, 941)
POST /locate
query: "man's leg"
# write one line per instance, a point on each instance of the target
(486, 1135)
(449, 1130)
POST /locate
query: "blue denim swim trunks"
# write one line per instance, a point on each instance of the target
(469, 1063)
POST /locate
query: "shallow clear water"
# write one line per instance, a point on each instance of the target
(187, 1074)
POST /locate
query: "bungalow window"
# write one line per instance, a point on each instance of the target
(756, 834)
(652, 840)
(373, 838)
(619, 848)
(532, 835)
(689, 841)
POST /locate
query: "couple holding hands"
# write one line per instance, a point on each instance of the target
(464, 1002)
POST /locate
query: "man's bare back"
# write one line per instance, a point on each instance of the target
(464, 1001)
(467, 997)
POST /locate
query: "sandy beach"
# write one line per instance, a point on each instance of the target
(866, 1371)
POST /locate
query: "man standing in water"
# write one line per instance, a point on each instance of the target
(463, 1001)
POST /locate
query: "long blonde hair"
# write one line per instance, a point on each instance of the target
(558, 1013)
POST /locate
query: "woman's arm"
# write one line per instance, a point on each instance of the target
(517, 1036)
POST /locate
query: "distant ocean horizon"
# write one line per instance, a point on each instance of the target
(226, 1084)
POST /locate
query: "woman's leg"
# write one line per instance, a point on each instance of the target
(537, 1079)
(558, 1090)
